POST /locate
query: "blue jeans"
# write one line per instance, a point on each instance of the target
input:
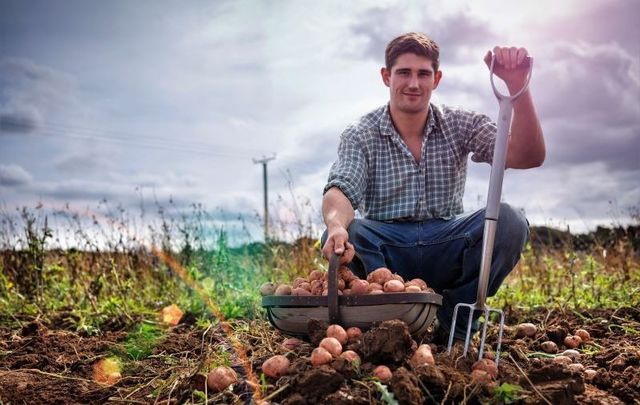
(444, 253)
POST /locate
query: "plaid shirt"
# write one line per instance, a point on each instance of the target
(376, 171)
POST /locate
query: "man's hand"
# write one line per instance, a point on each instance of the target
(509, 65)
(337, 238)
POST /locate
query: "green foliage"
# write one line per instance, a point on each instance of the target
(141, 341)
(386, 396)
(507, 393)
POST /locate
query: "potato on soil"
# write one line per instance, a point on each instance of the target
(566, 360)
(488, 366)
(320, 356)
(354, 333)
(572, 353)
(572, 341)
(576, 367)
(332, 345)
(338, 332)
(220, 378)
(291, 343)
(267, 289)
(480, 377)
(590, 374)
(583, 334)
(422, 355)
(351, 356)
(549, 347)
(393, 286)
(276, 366)
(383, 373)
(283, 289)
(380, 275)
(526, 329)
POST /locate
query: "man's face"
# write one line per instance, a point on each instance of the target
(411, 81)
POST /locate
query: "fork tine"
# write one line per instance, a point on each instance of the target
(467, 338)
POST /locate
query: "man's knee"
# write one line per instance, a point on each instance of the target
(513, 227)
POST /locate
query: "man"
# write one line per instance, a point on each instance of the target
(403, 166)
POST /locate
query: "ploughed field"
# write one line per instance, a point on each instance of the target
(46, 361)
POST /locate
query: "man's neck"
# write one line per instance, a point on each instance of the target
(409, 125)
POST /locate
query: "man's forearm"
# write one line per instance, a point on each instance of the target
(526, 143)
(336, 209)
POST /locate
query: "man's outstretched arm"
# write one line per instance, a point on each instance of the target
(526, 141)
(338, 214)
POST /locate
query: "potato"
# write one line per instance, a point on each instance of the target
(305, 285)
(348, 255)
(352, 357)
(383, 373)
(573, 354)
(422, 355)
(549, 347)
(590, 374)
(346, 274)
(283, 289)
(412, 289)
(572, 341)
(480, 377)
(220, 378)
(374, 286)
(338, 332)
(276, 366)
(566, 360)
(393, 286)
(376, 292)
(380, 275)
(420, 283)
(576, 367)
(315, 275)
(397, 277)
(346, 291)
(291, 343)
(332, 345)
(320, 356)
(341, 284)
(354, 333)
(583, 334)
(298, 281)
(359, 287)
(267, 289)
(299, 291)
(526, 330)
(488, 366)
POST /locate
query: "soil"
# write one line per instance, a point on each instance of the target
(42, 362)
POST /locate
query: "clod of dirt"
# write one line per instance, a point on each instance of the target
(316, 383)
(558, 384)
(557, 334)
(390, 342)
(405, 387)
(317, 331)
(34, 328)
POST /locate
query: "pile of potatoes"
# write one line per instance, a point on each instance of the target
(379, 281)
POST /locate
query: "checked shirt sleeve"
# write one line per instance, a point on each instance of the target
(348, 172)
(481, 137)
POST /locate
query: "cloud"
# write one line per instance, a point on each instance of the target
(25, 121)
(458, 34)
(13, 175)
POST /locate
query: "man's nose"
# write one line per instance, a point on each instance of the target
(413, 82)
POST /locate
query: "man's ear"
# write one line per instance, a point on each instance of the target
(436, 79)
(385, 73)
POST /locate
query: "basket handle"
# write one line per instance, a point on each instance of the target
(332, 294)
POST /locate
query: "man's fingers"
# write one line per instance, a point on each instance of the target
(339, 246)
(513, 57)
(522, 54)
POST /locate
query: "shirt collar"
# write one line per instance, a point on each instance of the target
(387, 128)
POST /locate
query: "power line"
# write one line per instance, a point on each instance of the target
(264, 162)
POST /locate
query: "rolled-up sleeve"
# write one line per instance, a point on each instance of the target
(481, 136)
(349, 171)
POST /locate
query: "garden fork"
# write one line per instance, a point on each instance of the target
(491, 218)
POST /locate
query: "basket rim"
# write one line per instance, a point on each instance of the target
(352, 300)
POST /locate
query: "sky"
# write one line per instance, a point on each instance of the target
(137, 102)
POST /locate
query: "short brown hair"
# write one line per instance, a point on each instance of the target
(412, 42)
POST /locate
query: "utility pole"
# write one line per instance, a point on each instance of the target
(264, 162)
